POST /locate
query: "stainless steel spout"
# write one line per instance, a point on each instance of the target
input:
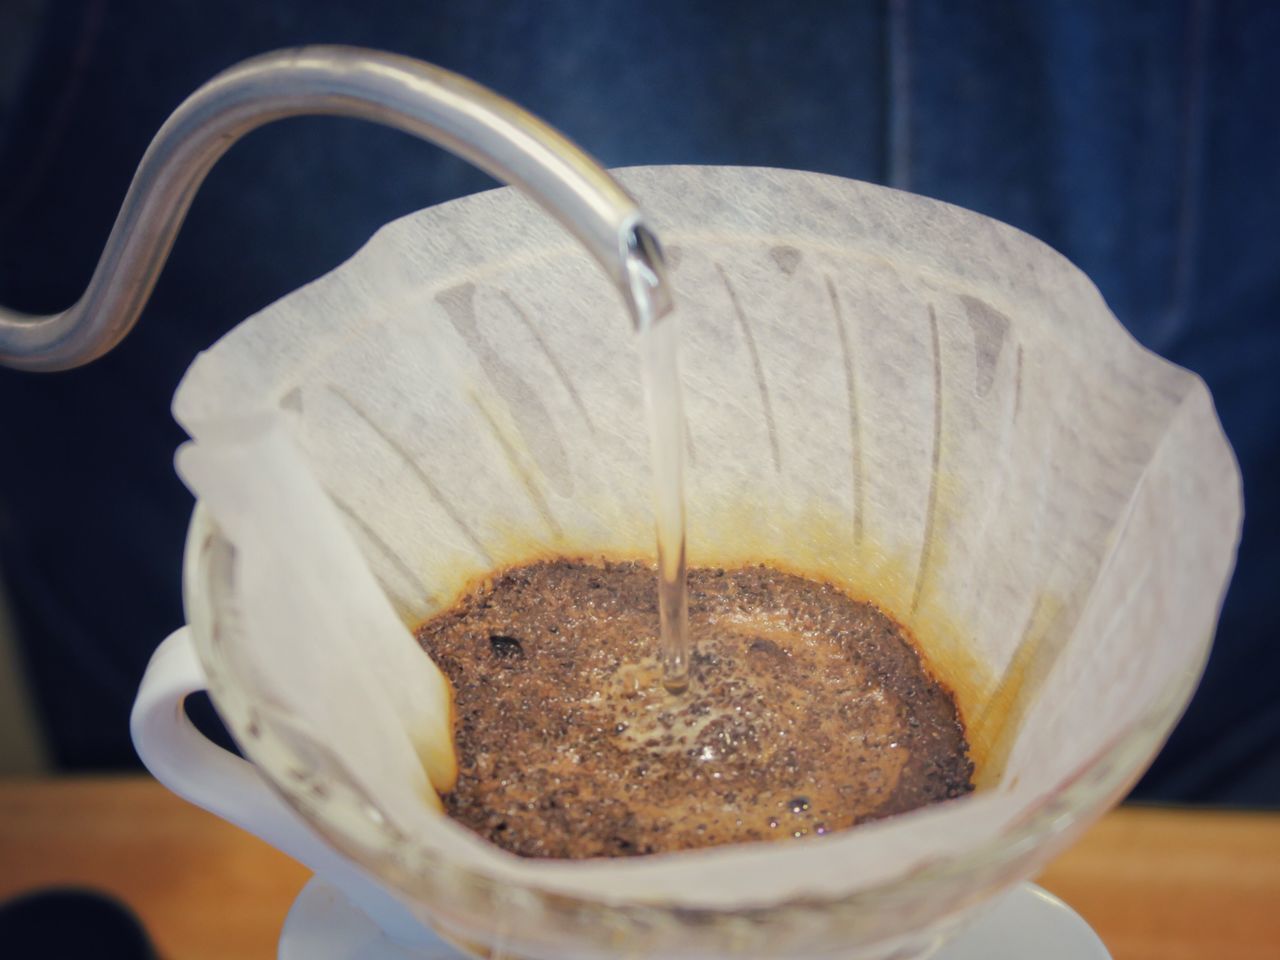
(426, 101)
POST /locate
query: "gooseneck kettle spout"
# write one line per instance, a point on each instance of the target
(426, 101)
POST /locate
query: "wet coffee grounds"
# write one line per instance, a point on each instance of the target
(807, 712)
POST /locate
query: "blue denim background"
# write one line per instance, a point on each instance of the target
(1141, 139)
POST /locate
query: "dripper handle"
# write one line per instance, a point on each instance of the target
(214, 779)
(439, 106)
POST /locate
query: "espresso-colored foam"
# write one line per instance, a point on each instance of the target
(808, 712)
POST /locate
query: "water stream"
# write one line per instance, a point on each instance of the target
(651, 305)
(664, 412)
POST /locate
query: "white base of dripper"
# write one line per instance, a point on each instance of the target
(1026, 922)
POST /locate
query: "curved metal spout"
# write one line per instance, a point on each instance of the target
(434, 104)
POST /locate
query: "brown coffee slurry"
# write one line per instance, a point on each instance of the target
(807, 712)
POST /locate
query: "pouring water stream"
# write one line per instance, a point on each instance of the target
(664, 411)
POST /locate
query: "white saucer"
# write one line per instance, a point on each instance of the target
(1028, 922)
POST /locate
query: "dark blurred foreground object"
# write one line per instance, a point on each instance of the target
(1139, 139)
(70, 924)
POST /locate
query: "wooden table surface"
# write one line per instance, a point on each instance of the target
(1155, 884)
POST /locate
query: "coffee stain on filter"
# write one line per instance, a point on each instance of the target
(994, 727)
(813, 543)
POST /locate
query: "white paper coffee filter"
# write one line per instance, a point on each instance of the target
(926, 406)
